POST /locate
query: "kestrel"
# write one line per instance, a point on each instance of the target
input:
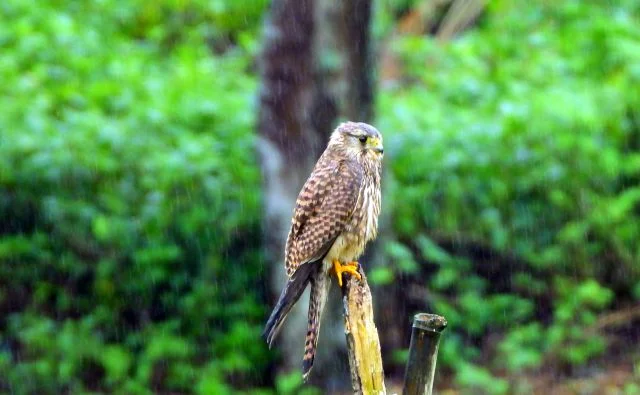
(336, 214)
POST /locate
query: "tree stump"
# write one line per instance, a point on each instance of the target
(363, 344)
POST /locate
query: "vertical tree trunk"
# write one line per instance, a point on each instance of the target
(288, 142)
(355, 32)
(315, 67)
(345, 46)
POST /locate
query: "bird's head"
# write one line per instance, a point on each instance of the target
(358, 139)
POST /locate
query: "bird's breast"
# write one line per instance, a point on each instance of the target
(362, 227)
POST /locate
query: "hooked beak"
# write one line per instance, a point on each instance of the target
(377, 146)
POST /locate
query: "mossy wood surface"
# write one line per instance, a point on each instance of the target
(363, 344)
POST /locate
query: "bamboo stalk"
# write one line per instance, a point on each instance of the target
(423, 353)
(363, 344)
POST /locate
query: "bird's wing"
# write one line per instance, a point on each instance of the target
(323, 209)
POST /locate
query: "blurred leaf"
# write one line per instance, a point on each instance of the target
(381, 276)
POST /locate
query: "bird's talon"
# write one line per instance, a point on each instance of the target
(350, 267)
(356, 264)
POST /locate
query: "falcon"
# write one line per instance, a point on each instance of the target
(336, 214)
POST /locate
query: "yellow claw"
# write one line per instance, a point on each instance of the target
(350, 267)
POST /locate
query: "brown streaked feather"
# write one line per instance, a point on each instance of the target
(324, 206)
(320, 283)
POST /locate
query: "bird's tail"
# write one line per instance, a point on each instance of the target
(289, 296)
(319, 290)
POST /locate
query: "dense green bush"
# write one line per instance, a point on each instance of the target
(129, 197)
(521, 138)
(129, 193)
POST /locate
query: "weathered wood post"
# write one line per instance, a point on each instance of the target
(363, 344)
(423, 353)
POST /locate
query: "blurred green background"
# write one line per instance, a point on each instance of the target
(130, 205)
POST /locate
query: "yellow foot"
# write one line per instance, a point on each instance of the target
(351, 268)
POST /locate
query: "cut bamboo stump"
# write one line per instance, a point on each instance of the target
(423, 353)
(363, 344)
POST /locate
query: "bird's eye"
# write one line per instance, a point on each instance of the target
(363, 139)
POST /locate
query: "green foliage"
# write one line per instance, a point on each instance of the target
(574, 311)
(128, 199)
(129, 203)
(292, 384)
(522, 138)
(478, 379)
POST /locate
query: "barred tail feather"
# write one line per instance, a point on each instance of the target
(319, 289)
(289, 296)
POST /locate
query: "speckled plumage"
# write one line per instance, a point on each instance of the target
(336, 214)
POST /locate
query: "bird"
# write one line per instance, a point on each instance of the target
(335, 216)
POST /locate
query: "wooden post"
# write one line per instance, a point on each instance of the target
(423, 353)
(363, 345)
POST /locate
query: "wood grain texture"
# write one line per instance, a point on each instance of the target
(423, 353)
(363, 344)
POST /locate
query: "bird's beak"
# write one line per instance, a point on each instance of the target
(377, 146)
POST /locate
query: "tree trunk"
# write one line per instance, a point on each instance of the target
(315, 68)
(288, 143)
